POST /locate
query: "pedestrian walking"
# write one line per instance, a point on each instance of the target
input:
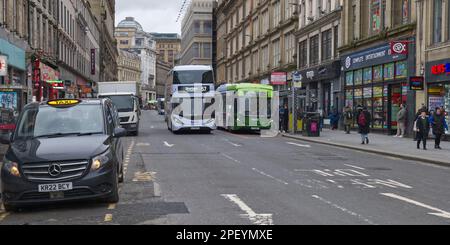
(401, 122)
(348, 119)
(364, 119)
(334, 119)
(419, 112)
(284, 118)
(439, 126)
(422, 129)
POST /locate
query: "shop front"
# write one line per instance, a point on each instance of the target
(377, 79)
(438, 85)
(13, 84)
(52, 84)
(322, 87)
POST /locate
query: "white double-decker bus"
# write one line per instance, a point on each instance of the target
(189, 95)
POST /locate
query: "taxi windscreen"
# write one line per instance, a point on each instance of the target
(54, 122)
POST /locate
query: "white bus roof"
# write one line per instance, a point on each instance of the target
(192, 68)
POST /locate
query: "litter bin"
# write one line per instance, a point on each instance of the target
(311, 124)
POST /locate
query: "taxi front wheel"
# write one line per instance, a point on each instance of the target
(9, 208)
(114, 198)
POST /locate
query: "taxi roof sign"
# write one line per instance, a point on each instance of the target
(64, 102)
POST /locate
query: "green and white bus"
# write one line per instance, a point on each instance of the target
(242, 107)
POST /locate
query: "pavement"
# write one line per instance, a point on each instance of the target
(242, 179)
(404, 148)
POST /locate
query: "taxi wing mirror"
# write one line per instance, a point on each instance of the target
(5, 139)
(120, 132)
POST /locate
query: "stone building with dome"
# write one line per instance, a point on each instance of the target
(132, 38)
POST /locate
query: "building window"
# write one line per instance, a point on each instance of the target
(303, 54)
(289, 8)
(265, 22)
(276, 13)
(265, 58)
(326, 45)
(336, 41)
(354, 22)
(437, 21)
(276, 53)
(207, 27)
(207, 50)
(406, 6)
(314, 50)
(255, 62)
(289, 46)
(376, 15)
(255, 28)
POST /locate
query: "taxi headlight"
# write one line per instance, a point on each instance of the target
(11, 167)
(99, 161)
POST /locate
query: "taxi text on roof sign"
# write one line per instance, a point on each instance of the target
(63, 102)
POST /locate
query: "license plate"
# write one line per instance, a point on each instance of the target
(195, 128)
(55, 187)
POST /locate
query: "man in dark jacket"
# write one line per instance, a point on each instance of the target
(422, 129)
(439, 125)
(364, 120)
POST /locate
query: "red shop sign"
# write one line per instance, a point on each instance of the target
(440, 69)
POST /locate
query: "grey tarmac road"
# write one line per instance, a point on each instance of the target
(243, 179)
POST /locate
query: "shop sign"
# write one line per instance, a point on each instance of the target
(3, 66)
(323, 72)
(265, 81)
(57, 84)
(399, 47)
(372, 57)
(437, 71)
(416, 83)
(48, 73)
(297, 76)
(93, 61)
(441, 69)
(279, 78)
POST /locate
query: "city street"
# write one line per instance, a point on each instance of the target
(243, 179)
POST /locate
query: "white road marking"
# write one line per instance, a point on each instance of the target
(143, 144)
(156, 189)
(353, 166)
(233, 144)
(270, 176)
(168, 145)
(344, 210)
(439, 212)
(257, 219)
(230, 158)
(299, 145)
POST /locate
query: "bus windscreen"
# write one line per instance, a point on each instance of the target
(193, 77)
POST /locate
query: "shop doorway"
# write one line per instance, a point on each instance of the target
(397, 97)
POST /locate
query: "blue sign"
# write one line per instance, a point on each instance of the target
(297, 76)
(16, 56)
(371, 57)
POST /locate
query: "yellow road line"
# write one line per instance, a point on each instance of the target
(3, 216)
(112, 206)
(108, 217)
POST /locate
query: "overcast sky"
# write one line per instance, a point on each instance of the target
(153, 15)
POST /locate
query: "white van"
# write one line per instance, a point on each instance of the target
(124, 97)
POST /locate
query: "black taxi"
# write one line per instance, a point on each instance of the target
(63, 150)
